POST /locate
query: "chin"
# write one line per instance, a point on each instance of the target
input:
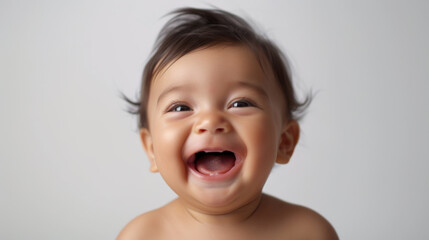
(222, 201)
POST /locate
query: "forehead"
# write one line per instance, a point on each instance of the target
(220, 61)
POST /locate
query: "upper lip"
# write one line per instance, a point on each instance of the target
(213, 144)
(191, 158)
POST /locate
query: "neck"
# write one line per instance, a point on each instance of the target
(236, 216)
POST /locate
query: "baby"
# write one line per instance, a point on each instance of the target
(217, 111)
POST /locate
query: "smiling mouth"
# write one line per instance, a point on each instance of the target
(213, 163)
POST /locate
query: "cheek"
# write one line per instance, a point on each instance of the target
(264, 141)
(262, 130)
(261, 137)
(168, 143)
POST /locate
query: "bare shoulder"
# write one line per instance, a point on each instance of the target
(301, 222)
(312, 224)
(143, 227)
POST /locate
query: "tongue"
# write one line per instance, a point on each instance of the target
(215, 163)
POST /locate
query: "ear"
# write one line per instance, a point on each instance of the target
(288, 141)
(147, 142)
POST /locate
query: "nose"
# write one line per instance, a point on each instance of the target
(211, 122)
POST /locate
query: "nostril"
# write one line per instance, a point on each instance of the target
(220, 130)
(201, 130)
(216, 130)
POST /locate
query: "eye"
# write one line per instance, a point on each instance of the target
(179, 108)
(242, 103)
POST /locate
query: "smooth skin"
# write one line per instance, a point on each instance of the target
(216, 99)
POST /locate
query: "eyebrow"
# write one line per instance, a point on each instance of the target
(169, 90)
(255, 87)
(173, 88)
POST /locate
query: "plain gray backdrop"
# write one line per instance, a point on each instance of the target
(72, 166)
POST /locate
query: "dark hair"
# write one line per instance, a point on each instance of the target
(190, 29)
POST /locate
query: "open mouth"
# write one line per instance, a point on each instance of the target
(213, 163)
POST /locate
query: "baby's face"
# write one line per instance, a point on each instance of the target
(215, 127)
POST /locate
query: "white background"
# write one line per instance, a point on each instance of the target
(71, 164)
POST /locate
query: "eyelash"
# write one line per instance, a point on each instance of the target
(248, 103)
(174, 106)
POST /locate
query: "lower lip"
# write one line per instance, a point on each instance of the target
(217, 177)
